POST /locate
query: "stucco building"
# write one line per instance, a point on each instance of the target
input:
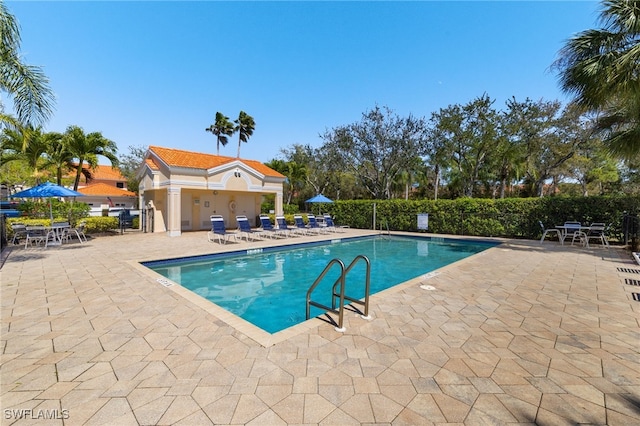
(106, 189)
(180, 189)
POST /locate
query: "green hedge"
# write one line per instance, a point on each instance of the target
(509, 218)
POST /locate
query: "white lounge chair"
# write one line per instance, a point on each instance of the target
(267, 227)
(283, 227)
(219, 231)
(315, 226)
(244, 227)
(300, 226)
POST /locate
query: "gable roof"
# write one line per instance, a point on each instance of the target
(102, 172)
(105, 190)
(198, 160)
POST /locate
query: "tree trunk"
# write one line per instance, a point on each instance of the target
(78, 173)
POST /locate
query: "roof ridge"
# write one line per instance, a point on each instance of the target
(196, 152)
(174, 157)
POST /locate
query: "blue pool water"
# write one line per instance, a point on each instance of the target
(268, 287)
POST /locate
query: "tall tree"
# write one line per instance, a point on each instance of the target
(58, 156)
(87, 147)
(378, 148)
(592, 168)
(314, 172)
(130, 164)
(438, 151)
(296, 176)
(221, 129)
(468, 133)
(601, 68)
(245, 125)
(541, 145)
(27, 85)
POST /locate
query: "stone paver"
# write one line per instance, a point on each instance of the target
(522, 333)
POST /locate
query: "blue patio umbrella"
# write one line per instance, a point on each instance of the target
(319, 199)
(47, 190)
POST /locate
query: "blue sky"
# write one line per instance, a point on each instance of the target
(155, 73)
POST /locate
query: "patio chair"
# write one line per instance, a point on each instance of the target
(267, 227)
(546, 231)
(597, 231)
(219, 231)
(37, 234)
(244, 228)
(19, 232)
(78, 231)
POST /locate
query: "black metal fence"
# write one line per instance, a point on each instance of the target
(630, 227)
(3, 232)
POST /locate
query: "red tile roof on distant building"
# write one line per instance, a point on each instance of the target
(106, 190)
(102, 172)
(197, 160)
(107, 173)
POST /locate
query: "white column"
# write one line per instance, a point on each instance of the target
(174, 211)
(279, 201)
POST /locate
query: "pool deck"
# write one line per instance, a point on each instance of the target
(522, 333)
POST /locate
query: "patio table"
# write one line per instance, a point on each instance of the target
(49, 235)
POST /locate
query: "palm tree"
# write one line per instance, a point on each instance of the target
(58, 155)
(602, 69)
(27, 144)
(87, 147)
(26, 84)
(222, 128)
(245, 127)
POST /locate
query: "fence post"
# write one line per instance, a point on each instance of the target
(3, 232)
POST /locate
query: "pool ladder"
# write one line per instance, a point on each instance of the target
(339, 293)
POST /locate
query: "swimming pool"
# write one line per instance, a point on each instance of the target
(268, 286)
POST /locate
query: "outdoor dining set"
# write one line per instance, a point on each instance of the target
(582, 234)
(44, 236)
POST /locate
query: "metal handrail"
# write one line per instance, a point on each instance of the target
(386, 222)
(310, 302)
(341, 294)
(367, 285)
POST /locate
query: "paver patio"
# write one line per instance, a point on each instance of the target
(522, 333)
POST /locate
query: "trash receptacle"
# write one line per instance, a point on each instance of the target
(125, 219)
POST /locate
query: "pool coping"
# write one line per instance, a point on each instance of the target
(267, 339)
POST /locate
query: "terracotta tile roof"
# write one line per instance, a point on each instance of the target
(103, 189)
(107, 173)
(103, 172)
(198, 160)
(152, 165)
